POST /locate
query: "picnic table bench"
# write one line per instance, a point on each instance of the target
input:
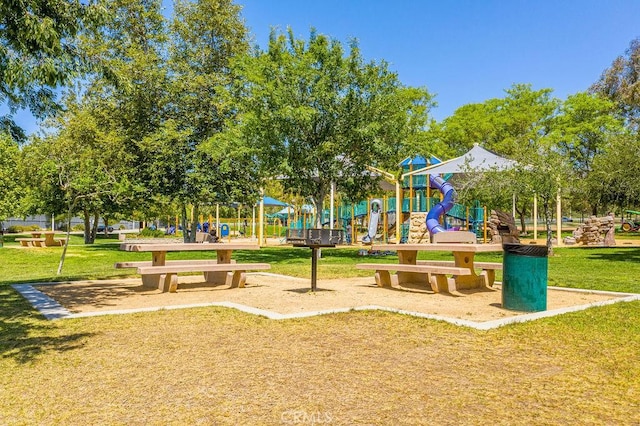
(31, 242)
(37, 240)
(162, 274)
(488, 268)
(235, 273)
(434, 273)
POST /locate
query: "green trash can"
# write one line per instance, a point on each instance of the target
(524, 277)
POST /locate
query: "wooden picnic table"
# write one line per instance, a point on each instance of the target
(49, 240)
(463, 255)
(216, 272)
(37, 239)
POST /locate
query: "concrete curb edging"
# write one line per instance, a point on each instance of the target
(52, 310)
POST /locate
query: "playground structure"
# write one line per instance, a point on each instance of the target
(423, 200)
(421, 206)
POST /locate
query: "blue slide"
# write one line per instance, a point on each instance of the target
(433, 222)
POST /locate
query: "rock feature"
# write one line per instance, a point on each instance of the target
(418, 232)
(502, 228)
(596, 231)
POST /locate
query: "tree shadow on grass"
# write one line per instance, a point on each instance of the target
(616, 254)
(25, 336)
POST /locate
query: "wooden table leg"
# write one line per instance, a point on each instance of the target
(236, 279)
(410, 257)
(219, 277)
(156, 280)
(49, 241)
(383, 279)
(465, 260)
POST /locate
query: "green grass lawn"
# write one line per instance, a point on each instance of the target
(220, 366)
(589, 268)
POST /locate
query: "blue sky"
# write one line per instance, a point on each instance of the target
(464, 51)
(468, 51)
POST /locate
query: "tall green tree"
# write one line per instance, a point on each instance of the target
(616, 171)
(583, 128)
(620, 83)
(208, 165)
(78, 170)
(318, 115)
(39, 52)
(9, 160)
(510, 126)
(128, 91)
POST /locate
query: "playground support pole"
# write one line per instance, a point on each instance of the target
(468, 218)
(398, 211)
(385, 237)
(217, 219)
(253, 223)
(513, 206)
(261, 219)
(238, 222)
(485, 224)
(559, 217)
(410, 190)
(353, 224)
(332, 204)
(369, 216)
(535, 216)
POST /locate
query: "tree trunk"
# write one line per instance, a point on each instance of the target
(523, 225)
(66, 242)
(318, 204)
(94, 228)
(87, 226)
(522, 214)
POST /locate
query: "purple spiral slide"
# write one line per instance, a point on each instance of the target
(433, 222)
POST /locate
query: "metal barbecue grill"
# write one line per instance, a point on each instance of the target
(315, 238)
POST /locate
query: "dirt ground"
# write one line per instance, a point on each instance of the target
(289, 295)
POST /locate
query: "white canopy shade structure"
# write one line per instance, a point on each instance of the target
(477, 159)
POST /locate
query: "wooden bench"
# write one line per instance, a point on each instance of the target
(488, 268)
(31, 242)
(235, 273)
(124, 265)
(435, 275)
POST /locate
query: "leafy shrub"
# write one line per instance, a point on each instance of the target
(14, 229)
(150, 233)
(78, 227)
